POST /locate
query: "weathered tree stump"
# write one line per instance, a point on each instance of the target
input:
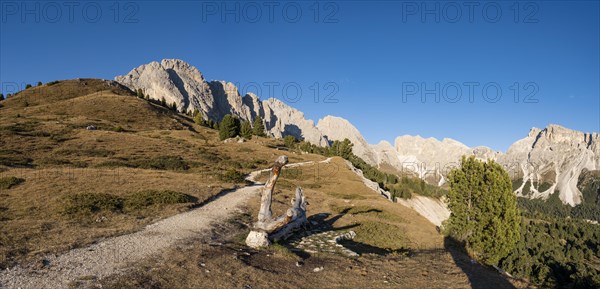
(268, 229)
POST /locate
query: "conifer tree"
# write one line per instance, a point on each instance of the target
(229, 127)
(258, 127)
(484, 209)
(289, 141)
(246, 130)
(198, 118)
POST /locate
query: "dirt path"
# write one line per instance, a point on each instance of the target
(115, 254)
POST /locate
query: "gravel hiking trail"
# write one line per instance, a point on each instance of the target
(113, 255)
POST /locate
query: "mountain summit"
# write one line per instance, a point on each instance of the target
(177, 82)
(546, 161)
(552, 159)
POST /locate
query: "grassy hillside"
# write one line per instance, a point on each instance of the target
(79, 185)
(398, 248)
(82, 160)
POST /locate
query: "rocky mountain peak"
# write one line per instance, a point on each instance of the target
(178, 82)
(534, 131)
(337, 128)
(546, 160)
(550, 160)
(173, 80)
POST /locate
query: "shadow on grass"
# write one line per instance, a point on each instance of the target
(480, 276)
(362, 248)
(323, 223)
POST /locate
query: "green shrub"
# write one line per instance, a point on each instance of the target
(9, 182)
(52, 83)
(86, 152)
(289, 141)
(232, 176)
(15, 161)
(173, 163)
(114, 164)
(118, 129)
(199, 118)
(143, 199)
(89, 203)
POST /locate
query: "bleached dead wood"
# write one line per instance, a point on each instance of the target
(267, 228)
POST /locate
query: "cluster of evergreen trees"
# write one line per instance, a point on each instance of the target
(553, 206)
(27, 86)
(557, 252)
(162, 102)
(541, 241)
(199, 120)
(231, 126)
(399, 187)
(559, 246)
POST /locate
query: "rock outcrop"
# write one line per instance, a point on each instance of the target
(177, 82)
(337, 128)
(552, 159)
(385, 153)
(282, 119)
(432, 159)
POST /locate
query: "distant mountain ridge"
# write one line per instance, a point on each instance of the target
(178, 82)
(556, 156)
(546, 160)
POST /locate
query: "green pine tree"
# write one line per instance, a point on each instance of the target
(345, 149)
(246, 130)
(28, 86)
(140, 93)
(39, 83)
(174, 106)
(163, 102)
(258, 127)
(229, 127)
(289, 141)
(484, 209)
(341, 148)
(198, 119)
(1, 97)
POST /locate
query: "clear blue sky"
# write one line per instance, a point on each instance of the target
(371, 56)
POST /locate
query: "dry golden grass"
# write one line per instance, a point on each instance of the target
(47, 144)
(332, 188)
(139, 146)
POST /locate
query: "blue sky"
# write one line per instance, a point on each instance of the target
(487, 72)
